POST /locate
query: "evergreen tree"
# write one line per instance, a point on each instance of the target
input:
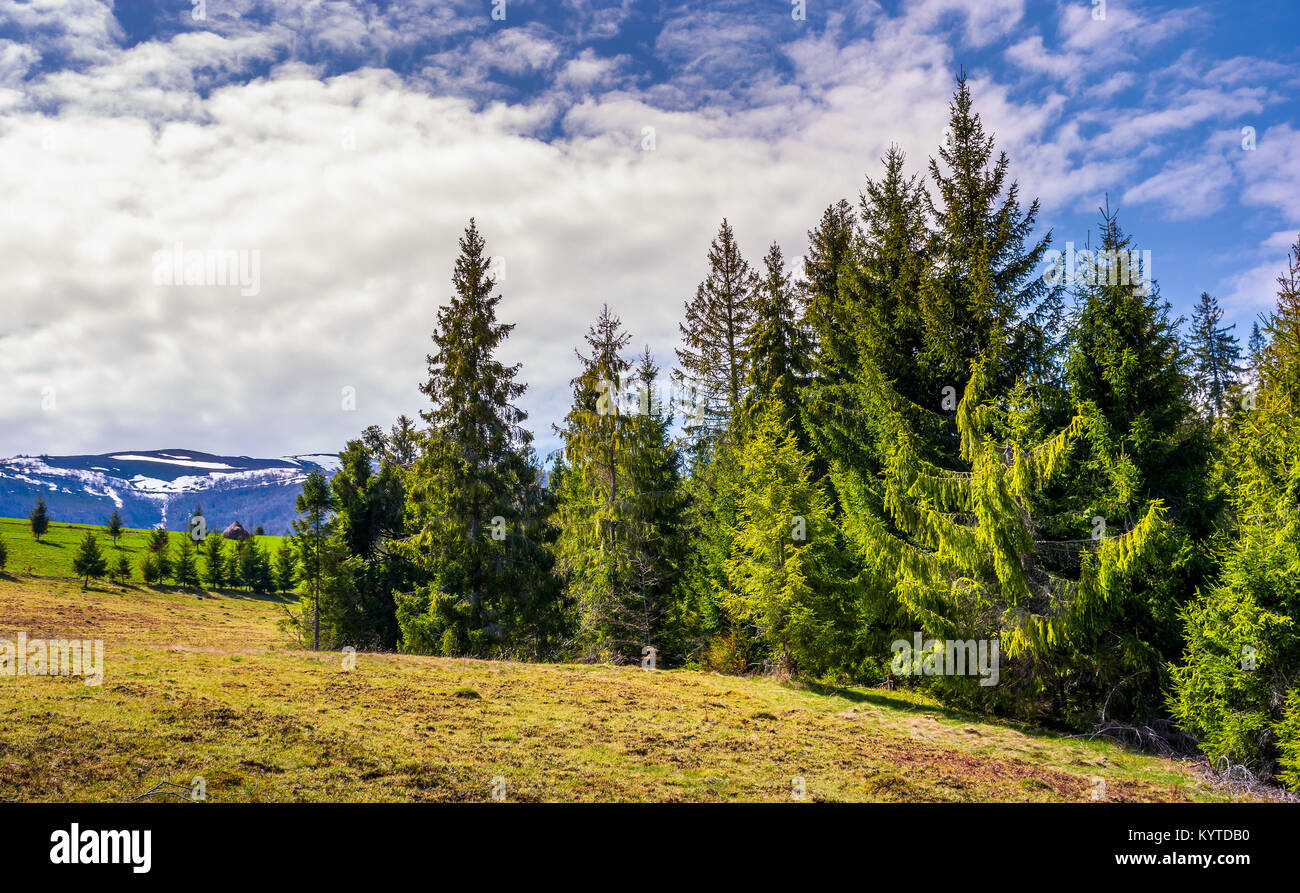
(89, 562)
(4, 555)
(316, 505)
(149, 569)
(475, 494)
(777, 346)
(876, 318)
(829, 248)
(370, 498)
(185, 572)
(1255, 350)
(40, 519)
(656, 517)
(115, 527)
(1236, 688)
(596, 435)
(286, 567)
(158, 545)
(1140, 442)
(982, 288)
(123, 569)
(1215, 353)
(617, 499)
(236, 563)
(214, 554)
(785, 570)
(263, 579)
(963, 548)
(403, 443)
(713, 363)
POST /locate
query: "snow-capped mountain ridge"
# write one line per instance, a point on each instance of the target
(153, 487)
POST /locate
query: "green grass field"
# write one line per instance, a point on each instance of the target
(52, 556)
(205, 685)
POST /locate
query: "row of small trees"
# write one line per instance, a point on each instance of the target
(248, 566)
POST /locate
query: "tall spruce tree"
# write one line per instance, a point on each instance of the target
(778, 348)
(311, 533)
(824, 318)
(1141, 441)
(982, 287)
(878, 319)
(943, 497)
(713, 363)
(475, 492)
(1236, 689)
(1215, 353)
(619, 502)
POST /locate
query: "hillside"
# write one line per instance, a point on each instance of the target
(52, 556)
(205, 684)
(153, 487)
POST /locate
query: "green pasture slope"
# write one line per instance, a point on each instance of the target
(52, 556)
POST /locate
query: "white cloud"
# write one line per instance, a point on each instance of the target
(354, 186)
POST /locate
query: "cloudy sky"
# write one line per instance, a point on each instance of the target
(344, 146)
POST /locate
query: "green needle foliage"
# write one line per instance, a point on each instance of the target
(88, 562)
(1236, 687)
(476, 496)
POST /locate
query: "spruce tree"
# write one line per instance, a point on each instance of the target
(4, 555)
(618, 502)
(785, 571)
(1215, 353)
(316, 505)
(158, 544)
(475, 491)
(286, 567)
(713, 363)
(656, 517)
(89, 562)
(235, 564)
(214, 554)
(1141, 441)
(370, 497)
(1236, 688)
(982, 287)
(123, 569)
(39, 518)
(877, 318)
(115, 527)
(963, 546)
(830, 246)
(149, 569)
(185, 571)
(779, 351)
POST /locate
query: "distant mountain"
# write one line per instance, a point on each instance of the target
(153, 487)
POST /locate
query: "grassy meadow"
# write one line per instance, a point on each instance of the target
(200, 684)
(52, 556)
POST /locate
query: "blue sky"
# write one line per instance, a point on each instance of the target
(345, 146)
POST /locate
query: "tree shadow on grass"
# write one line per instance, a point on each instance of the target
(882, 698)
(237, 594)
